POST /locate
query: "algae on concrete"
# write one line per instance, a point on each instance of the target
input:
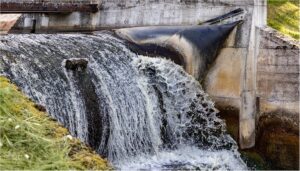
(31, 140)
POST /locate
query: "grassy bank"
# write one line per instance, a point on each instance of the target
(31, 140)
(283, 15)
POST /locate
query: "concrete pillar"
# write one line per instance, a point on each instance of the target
(248, 95)
(95, 17)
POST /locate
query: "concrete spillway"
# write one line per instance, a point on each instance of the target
(140, 112)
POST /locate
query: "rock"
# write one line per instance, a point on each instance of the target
(76, 63)
(40, 107)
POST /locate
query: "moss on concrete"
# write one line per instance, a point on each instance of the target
(278, 140)
(284, 15)
(254, 160)
(29, 139)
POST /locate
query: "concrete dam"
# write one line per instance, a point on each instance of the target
(249, 71)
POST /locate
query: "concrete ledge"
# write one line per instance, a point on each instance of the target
(27, 7)
(276, 40)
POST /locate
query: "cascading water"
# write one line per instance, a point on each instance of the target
(139, 112)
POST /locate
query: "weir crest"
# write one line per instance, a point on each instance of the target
(139, 112)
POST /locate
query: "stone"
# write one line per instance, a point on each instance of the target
(76, 63)
(40, 107)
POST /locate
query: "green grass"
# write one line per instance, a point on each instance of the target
(283, 15)
(29, 139)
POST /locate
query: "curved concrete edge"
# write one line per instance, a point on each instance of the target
(197, 45)
(151, 34)
(7, 21)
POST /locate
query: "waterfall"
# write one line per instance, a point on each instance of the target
(139, 112)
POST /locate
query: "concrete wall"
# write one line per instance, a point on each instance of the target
(232, 79)
(277, 74)
(130, 13)
(278, 103)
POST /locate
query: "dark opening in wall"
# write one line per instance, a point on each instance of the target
(33, 26)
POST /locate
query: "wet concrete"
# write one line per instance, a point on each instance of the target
(277, 141)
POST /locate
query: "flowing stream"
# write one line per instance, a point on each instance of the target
(139, 112)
